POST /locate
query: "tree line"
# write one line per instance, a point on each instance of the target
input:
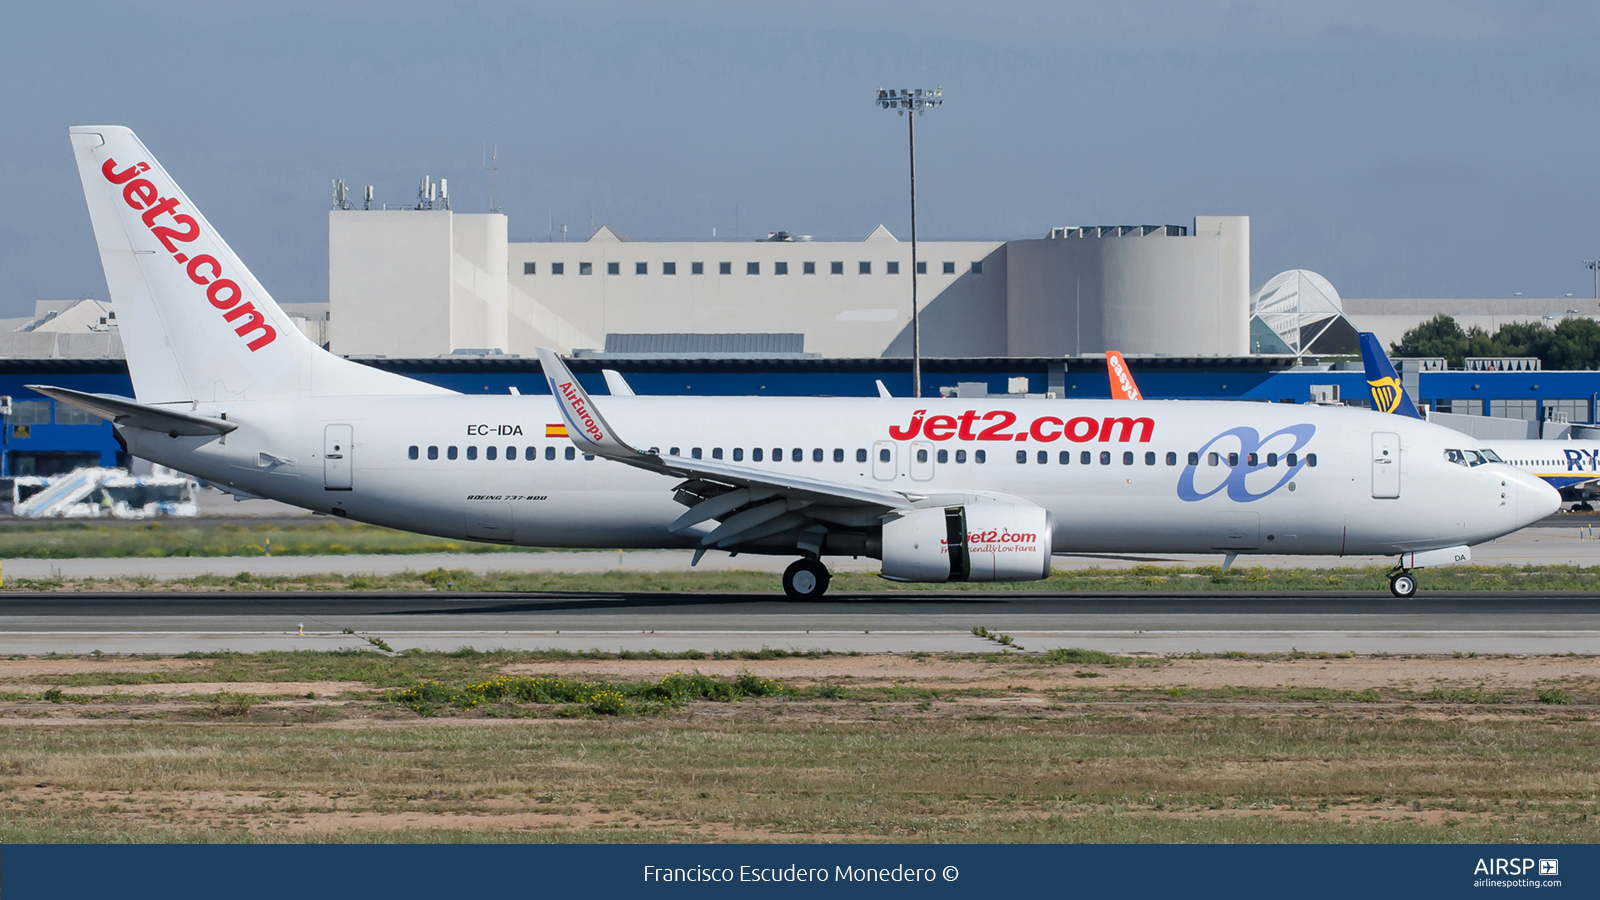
(1571, 344)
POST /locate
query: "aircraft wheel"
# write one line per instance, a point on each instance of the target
(805, 579)
(1403, 585)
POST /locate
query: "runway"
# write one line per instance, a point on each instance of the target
(1363, 622)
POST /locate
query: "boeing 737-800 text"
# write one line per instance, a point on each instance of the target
(940, 490)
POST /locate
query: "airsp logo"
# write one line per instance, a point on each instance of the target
(1549, 867)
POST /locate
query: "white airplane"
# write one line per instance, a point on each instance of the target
(226, 388)
(1572, 467)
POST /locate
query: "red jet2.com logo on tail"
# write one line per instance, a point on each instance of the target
(588, 423)
(224, 293)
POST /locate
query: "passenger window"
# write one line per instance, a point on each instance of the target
(589, 457)
(738, 454)
(777, 454)
(816, 455)
(944, 456)
(1250, 460)
(797, 455)
(1127, 457)
(861, 455)
(673, 452)
(1291, 460)
(978, 456)
(1172, 459)
(1105, 457)
(549, 453)
(695, 453)
(1044, 457)
(450, 453)
(838, 454)
(1084, 458)
(716, 452)
(1022, 457)
(883, 455)
(530, 453)
(1066, 457)
(433, 452)
(1233, 459)
(1272, 460)
(922, 455)
(412, 453)
(572, 453)
(757, 455)
(511, 453)
(472, 452)
(1194, 458)
(1311, 460)
(961, 456)
(488, 453)
(1149, 459)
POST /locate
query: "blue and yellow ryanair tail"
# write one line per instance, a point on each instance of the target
(1387, 394)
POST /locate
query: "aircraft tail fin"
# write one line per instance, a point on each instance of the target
(195, 324)
(1122, 386)
(1388, 395)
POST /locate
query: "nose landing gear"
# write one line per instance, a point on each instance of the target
(1403, 584)
(806, 579)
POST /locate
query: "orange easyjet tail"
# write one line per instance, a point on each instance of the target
(1122, 386)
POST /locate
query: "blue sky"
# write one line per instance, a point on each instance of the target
(1419, 149)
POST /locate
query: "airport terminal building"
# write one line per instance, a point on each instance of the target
(445, 297)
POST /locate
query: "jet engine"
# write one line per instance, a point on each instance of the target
(979, 542)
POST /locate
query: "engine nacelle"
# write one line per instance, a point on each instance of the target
(981, 542)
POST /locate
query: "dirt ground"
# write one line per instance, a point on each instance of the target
(191, 756)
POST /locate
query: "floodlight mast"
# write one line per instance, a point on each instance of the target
(916, 102)
(1594, 264)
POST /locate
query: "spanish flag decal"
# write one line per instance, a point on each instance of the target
(555, 431)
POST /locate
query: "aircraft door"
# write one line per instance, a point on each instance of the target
(337, 458)
(1385, 465)
(884, 466)
(921, 461)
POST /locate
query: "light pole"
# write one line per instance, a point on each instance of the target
(1594, 264)
(915, 102)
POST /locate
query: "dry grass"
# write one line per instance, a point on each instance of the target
(868, 748)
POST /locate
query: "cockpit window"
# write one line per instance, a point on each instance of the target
(1476, 458)
(1455, 456)
(1491, 456)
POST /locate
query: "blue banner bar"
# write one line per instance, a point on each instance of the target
(394, 872)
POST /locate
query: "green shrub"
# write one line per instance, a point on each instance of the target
(1554, 696)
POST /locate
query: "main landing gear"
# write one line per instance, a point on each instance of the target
(805, 579)
(1403, 584)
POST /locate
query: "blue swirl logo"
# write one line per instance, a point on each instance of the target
(1235, 479)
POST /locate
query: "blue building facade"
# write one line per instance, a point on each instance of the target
(41, 437)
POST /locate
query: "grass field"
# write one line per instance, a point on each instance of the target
(1138, 578)
(1069, 746)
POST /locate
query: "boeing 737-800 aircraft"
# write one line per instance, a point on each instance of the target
(940, 490)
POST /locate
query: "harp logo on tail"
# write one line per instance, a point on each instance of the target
(1386, 394)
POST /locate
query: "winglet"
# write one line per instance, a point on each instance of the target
(1388, 395)
(1122, 386)
(616, 384)
(585, 426)
(883, 392)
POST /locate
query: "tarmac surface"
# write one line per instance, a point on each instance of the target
(1363, 622)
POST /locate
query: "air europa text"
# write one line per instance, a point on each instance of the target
(224, 293)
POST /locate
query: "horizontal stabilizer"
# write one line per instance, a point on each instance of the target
(133, 414)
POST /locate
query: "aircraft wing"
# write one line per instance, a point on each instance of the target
(125, 411)
(749, 504)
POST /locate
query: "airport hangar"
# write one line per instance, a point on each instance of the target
(445, 297)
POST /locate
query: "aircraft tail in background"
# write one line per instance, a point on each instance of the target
(1122, 386)
(1388, 395)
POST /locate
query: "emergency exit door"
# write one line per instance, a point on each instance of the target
(1385, 465)
(337, 457)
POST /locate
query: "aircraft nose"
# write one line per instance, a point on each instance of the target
(1535, 498)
